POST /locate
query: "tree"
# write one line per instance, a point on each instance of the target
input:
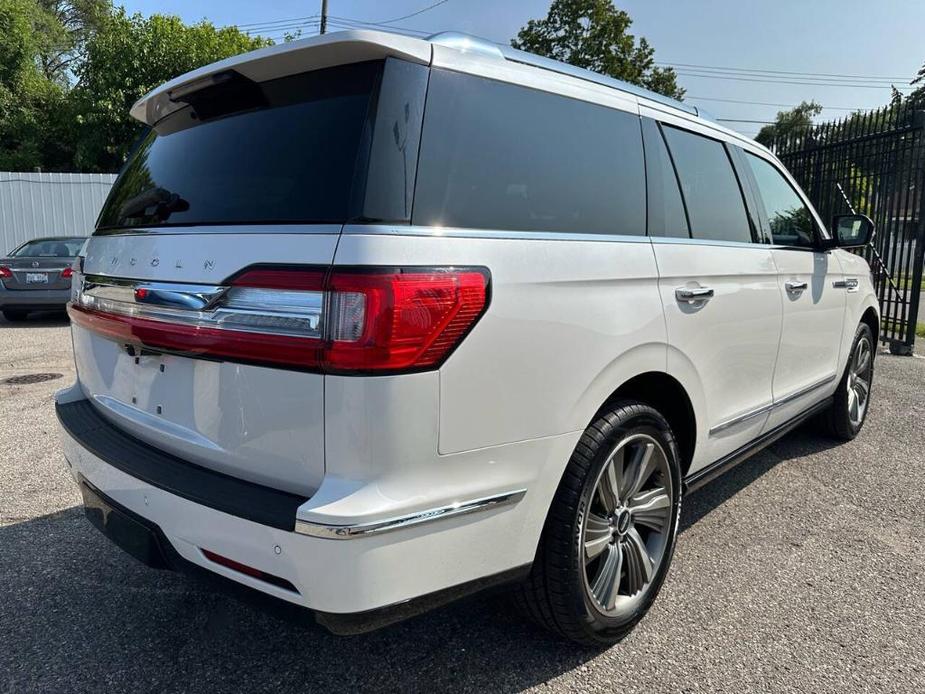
(31, 105)
(796, 120)
(71, 69)
(593, 34)
(128, 56)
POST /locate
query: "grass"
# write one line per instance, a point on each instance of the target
(904, 282)
(897, 326)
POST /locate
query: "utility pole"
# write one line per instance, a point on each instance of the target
(324, 16)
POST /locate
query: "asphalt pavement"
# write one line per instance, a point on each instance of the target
(801, 570)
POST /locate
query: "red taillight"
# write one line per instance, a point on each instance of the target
(66, 273)
(345, 321)
(5, 273)
(411, 319)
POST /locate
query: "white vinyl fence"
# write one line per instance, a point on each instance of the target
(49, 204)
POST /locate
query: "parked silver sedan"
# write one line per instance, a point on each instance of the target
(36, 276)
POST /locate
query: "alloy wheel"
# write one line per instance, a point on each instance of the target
(625, 532)
(858, 382)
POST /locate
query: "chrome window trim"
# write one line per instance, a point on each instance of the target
(681, 241)
(445, 232)
(355, 530)
(786, 400)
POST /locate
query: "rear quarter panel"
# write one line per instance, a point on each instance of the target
(569, 321)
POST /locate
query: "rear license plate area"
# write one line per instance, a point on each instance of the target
(36, 278)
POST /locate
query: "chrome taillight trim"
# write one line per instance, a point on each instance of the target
(200, 305)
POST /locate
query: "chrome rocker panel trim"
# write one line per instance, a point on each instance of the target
(786, 400)
(349, 532)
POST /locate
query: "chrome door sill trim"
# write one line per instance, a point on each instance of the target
(349, 532)
(722, 426)
(786, 400)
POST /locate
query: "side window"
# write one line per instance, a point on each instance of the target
(711, 190)
(666, 215)
(499, 156)
(791, 222)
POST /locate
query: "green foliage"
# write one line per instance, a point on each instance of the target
(593, 34)
(71, 69)
(126, 58)
(794, 121)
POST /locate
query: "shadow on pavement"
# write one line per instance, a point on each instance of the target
(78, 614)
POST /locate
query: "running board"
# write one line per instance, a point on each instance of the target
(714, 470)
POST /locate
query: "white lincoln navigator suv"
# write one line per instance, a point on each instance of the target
(369, 322)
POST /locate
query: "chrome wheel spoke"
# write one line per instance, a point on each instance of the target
(651, 508)
(606, 586)
(639, 469)
(862, 388)
(862, 362)
(609, 486)
(639, 569)
(597, 536)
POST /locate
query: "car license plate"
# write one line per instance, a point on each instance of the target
(36, 278)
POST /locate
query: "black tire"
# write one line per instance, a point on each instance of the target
(14, 316)
(836, 422)
(556, 594)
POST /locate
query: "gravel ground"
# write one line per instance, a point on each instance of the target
(801, 570)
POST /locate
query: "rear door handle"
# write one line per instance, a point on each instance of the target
(693, 295)
(795, 287)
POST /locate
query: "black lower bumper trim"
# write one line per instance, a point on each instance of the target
(231, 495)
(128, 531)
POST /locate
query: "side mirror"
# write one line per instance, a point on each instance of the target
(851, 230)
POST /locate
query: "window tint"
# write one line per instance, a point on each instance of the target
(498, 156)
(50, 248)
(287, 154)
(790, 220)
(666, 216)
(711, 191)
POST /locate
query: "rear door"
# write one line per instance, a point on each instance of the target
(197, 309)
(719, 290)
(811, 293)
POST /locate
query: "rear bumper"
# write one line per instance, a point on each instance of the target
(34, 299)
(356, 582)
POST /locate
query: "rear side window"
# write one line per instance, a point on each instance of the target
(791, 222)
(289, 155)
(711, 190)
(499, 156)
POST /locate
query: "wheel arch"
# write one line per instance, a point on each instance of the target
(667, 395)
(872, 318)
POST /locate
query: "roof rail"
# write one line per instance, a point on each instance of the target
(466, 42)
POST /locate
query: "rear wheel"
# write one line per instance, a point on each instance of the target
(849, 408)
(14, 316)
(610, 533)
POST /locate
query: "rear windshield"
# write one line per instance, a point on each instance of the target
(49, 248)
(283, 151)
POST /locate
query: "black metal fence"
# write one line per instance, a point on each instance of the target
(874, 164)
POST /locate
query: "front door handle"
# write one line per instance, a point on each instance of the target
(851, 284)
(795, 287)
(693, 295)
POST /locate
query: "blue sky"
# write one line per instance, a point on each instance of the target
(842, 37)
